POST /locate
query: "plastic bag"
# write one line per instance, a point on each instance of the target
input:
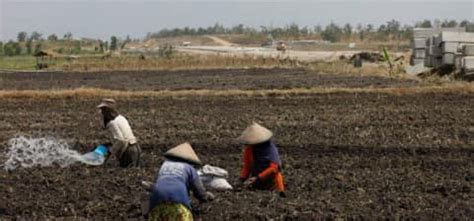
(92, 158)
(96, 157)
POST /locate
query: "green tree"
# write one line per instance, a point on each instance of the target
(463, 23)
(332, 33)
(449, 24)
(347, 30)
(101, 46)
(407, 32)
(393, 29)
(38, 48)
(127, 40)
(369, 28)
(361, 32)
(29, 46)
(67, 36)
(36, 36)
(436, 23)
(12, 48)
(52, 37)
(113, 43)
(318, 29)
(238, 29)
(22, 36)
(424, 24)
(382, 33)
(305, 31)
(1, 48)
(217, 29)
(393, 26)
(106, 45)
(8, 49)
(17, 48)
(293, 30)
(468, 25)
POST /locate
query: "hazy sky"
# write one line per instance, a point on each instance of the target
(103, 18)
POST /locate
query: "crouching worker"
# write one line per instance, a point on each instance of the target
(124, 145)
(261, 161)
(177, 176)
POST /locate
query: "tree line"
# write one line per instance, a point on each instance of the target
(27, 43)
(391, 30)
(30, 44)
(12, 48)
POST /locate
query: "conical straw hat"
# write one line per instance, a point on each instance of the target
(255, 134)
(185, 152)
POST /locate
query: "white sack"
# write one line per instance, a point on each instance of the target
(214, 178)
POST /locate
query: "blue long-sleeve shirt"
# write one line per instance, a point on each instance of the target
(175, 180)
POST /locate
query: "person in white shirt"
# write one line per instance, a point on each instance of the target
(124, 144)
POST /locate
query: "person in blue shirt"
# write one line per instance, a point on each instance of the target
(176, 178)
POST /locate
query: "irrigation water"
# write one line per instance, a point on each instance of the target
(30, 152)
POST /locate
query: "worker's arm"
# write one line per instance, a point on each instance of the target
(280, 184)
(269, 172)
(198, 189)
(118, 147)
(247, 162)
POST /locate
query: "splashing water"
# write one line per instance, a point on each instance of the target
(43, 152)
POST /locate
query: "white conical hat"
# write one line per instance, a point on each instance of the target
(255, 134)
(184, 151)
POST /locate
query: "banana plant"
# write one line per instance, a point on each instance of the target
(387, 58)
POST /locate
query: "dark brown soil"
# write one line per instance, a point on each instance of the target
(193, 79)
(345, 155)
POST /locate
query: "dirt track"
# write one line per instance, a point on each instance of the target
(220, 41)
(195, 79)
(345, 155)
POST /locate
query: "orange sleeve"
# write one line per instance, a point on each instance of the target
(247, 162)
(272, 169)
(280, 185)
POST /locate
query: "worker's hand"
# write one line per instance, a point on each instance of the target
(148, 186)
(106, 161)
(250, 181)
(239, 184)
(210, 196)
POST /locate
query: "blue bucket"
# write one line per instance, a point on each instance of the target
(102, 150)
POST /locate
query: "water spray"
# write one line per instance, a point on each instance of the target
(29, 152)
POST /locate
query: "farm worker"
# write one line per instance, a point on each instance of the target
(124, 144)
(177, 176)
(261, 161)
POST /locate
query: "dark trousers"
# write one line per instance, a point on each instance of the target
(131, 157)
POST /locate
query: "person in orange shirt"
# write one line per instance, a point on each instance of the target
(261, 161)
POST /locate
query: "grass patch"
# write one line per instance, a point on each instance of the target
(178, 61)
(17, 63)
(344, 67)
(461, 87)
(152, 62)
